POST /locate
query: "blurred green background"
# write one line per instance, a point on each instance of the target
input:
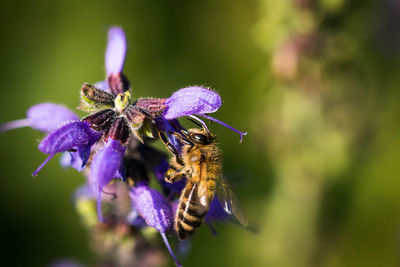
(314, 83)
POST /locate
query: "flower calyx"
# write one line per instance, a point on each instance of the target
(116, 116)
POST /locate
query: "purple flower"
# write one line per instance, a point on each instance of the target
(155, 210)
(44, 117)
(107, 140)
(67, 137)
(191, 100)
(74, 136)
(115, 58)
(195, 100)
(116, 51)
(153, 207)
(66, 132)
(134, 219)
(107, 164)
(216, 212)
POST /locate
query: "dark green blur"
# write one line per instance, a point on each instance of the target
(314, 83)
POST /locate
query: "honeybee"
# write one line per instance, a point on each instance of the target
(200, 161)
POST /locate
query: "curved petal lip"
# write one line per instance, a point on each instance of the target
(47, 117)
(106, 163)
(192, 100)
(153, 207)
(66, 137)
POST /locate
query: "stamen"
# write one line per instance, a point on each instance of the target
(14, 125)
(35, 173)
(226, 125)
(169, 249)
(198, 120)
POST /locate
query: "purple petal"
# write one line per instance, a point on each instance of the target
(72, 135)
(160, 169)
(84, 151)
(47, 117)
(106, 163)
(68, 136)
(134, 219)
(153, 207)
(66, 160)
(104, 166)
(78, 159)
(103, 85)
(216, 212)
(84, 192)
(191, 100)
(116, 50)
(74, 160)
(14, 125)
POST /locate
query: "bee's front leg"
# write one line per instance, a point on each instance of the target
(172, 176)
(171, 148)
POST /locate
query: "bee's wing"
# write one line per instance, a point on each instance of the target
(229, 201)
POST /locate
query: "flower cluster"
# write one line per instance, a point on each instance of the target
(112, 141)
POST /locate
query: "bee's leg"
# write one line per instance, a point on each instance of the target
(184, 138)
(171, 148)
(171, 176)
(175, 172)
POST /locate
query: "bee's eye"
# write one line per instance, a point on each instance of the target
(200, 138)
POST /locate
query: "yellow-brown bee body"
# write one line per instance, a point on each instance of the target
(200, 161)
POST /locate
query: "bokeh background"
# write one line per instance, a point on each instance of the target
(314, 83)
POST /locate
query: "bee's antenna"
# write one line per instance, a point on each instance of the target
(199, 122)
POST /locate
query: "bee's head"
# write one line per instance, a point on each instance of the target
(201, 136)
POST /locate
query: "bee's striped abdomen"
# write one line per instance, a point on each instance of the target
(190, 212)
